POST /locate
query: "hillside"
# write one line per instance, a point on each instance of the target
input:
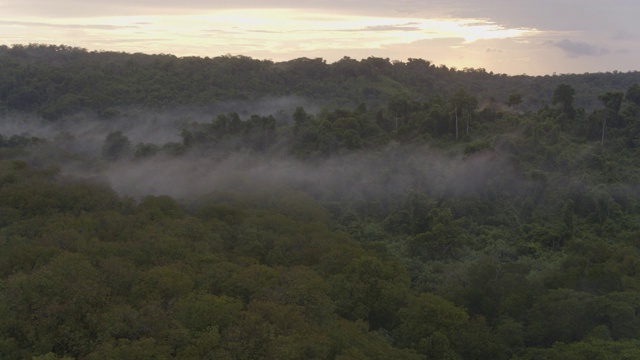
(53, 81)
(162, 207)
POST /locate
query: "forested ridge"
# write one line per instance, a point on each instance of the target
(58, 80)
(382, 210)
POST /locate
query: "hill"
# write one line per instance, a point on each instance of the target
(162, 207)
(58, 80)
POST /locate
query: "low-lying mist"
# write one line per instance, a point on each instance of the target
(88, 131)
(76, 145)
(364, 175)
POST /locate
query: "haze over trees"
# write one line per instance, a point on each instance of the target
(192, 208)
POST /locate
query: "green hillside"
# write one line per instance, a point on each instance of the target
(154, 207)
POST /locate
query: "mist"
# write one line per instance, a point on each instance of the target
(74, 144)
(361, 176)
(88, 131)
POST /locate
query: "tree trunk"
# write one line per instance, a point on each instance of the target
(456, 123)
(468, 119)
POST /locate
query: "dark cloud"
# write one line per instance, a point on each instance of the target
(576, 49)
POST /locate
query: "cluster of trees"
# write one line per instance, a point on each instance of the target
(435, 120)
(87, 274)
(481, 229)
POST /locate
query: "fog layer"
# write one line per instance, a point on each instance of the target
(75, 144)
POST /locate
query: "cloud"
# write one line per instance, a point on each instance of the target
(66, 26)
(285, 29)
(624, 36)
(406, 27)
(133, 40)
(576, 49)
(83, 8)
(400, 27)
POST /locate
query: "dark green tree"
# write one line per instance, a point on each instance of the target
(463, 103)
(612, 102)
(300, 116)
(116, 145)
(431, 325)
(633, 94)
(514, 99)
(564, 96)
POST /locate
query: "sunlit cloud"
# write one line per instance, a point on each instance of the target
(534, 38)
(276, 31)
(65, 25)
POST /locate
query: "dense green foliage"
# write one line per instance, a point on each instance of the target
(54, 81)
(438, 224)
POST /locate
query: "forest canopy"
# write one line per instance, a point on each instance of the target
(161, 207)
(57, 80)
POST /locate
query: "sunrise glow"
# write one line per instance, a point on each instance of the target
(274, 31)
(498, 36)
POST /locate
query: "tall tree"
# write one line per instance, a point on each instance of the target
(465, 104)
(563, 95)
(401, 105)
(612, 102)
(633, 94)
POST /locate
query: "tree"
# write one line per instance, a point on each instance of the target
(561, 315)
(514, 99)
(162, 283)
(52, 308)
(116, 145)
(612, 102)
(400, 106)
(371, 289)
(300, 116)
(563, 95)
(463, 103)
(199, 312)
(443, 238)
(431, 325)
(633, 94)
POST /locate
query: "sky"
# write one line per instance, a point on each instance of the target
(533, 37)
